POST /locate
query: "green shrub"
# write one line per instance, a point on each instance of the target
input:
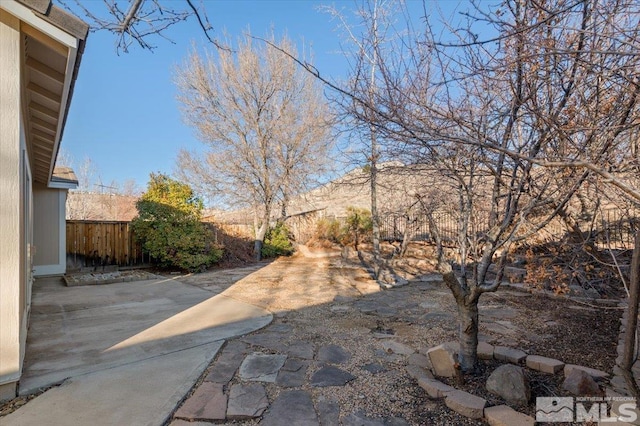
(277, 242)
(169, 228)
(329, 230)
(358, 226)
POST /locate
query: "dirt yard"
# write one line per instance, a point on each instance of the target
(324, 299)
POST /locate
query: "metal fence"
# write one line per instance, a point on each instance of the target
(612, 228)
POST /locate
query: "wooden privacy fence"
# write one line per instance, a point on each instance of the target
(95, 243)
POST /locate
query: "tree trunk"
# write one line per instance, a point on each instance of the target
(468, 333)
(258, 242)
(375, 219)
(628, 357)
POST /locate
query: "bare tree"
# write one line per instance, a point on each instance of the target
(80, 206)
(516, 123)
(137, 21)
(372, 35)
(264, 121)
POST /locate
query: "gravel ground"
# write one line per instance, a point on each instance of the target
(324, 299)
(329, 300)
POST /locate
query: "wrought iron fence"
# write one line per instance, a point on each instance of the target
(612, 228)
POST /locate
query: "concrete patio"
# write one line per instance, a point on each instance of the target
(109, 345)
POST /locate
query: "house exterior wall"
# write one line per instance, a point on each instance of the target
(13, 160)
(49, 230)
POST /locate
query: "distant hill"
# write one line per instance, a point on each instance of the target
(398, 186)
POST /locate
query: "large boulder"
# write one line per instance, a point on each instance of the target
(509, 382)
(580, 383)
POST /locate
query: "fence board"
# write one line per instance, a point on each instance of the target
(93, 243)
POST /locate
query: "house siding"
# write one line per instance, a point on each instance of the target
(12, 276)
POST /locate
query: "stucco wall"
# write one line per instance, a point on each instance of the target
(12, 277)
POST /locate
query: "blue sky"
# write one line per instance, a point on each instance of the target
(124, 116)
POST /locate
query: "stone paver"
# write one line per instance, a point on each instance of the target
(397, 347)
(268, 339)
(208, 402)
(416, 372)
(247, 401)
(227, 363)
(466, 404)
(291, 408)
(373, 368)
(180, 422)
(360, 419)
(328, 413)
(300, 349)
(293, 373)
(503, 415)
(420, 360)
(485, 350)
(544, 364)
(260, 367)
(331, 376)
(333, 354)
(504, 353)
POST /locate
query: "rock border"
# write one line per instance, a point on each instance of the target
(619, 386)
(474, 407)
(112, 277)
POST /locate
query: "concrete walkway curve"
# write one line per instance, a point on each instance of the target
(109, 345)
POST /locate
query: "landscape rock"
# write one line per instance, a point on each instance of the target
(504, 353)
(596, 374)
(443, 360)
(333, 354)
(503, 415)
(544, 364)
(466, 404)
(260, 367)
(282, 410)
(509, 382)
(580, 383)
(331, 376)
(247, 401)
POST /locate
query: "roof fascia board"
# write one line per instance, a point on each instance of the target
(71, 63)
(27, 15)
(62, 185)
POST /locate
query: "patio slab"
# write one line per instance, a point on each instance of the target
(105, 398)
(147, 342)
(80, 330)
